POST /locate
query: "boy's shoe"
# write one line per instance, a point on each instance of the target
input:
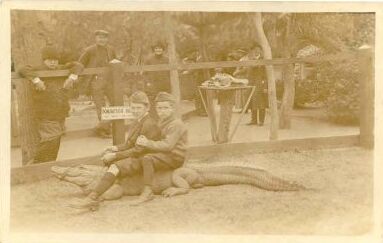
(252, 123)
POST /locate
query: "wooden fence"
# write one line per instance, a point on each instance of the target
(116, 72)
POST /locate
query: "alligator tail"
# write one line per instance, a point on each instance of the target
(222, 175)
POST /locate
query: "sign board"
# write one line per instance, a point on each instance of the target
(116, 113)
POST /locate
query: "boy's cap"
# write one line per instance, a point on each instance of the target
(139, 97)
(101, 32)
(163, 96)
(50, 52)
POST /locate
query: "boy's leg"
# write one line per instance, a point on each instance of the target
(105, 183)
(262, 113)
(150, 164)
(47, 150)
(253, 109)
(98, 96)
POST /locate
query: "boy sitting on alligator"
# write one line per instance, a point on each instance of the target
(168, 153)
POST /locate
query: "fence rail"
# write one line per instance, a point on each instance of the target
(203, 65)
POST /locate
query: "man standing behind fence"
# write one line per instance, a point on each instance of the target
(257, 77)
(99, 55)
(50, 101)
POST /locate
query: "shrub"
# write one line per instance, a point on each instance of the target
(341, 82)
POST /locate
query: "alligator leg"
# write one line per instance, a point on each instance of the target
(183, 179)
(113, 193)
(174, 191)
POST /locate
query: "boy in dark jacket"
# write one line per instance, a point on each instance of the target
(50, 101)
(168, 153)
(144, 125)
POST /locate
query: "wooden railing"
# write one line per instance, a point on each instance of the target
(116, 71)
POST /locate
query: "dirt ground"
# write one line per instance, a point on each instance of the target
(341, 202)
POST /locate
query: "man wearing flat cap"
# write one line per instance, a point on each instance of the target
(50, 104)
(159, 80)
(99, 55)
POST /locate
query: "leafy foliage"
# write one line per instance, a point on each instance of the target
(341, 83)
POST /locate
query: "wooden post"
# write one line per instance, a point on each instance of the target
(366, 89)
(174, 77)
(15, 134)
(116, 74)
(29, 137)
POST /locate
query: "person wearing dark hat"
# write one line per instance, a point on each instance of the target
(168, 153)
(159, 80)
(50, 101)
(257, 77)
(99, 55)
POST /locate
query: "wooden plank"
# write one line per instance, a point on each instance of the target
(36, 172)
(274, 146)
(61, 73)
(204, 65)
(117, 75)
(366, 99)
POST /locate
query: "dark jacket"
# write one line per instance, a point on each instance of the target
(95, 56)
(257, 77)
(51, 103)
(174, 138)
(158, 80)
(147, 126)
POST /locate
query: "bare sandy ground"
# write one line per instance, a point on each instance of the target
(340, 204)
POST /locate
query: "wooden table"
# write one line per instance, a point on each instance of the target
(226, 102)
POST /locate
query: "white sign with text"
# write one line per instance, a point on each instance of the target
(116, 113)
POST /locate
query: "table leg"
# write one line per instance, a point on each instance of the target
(226, 99)
(209, 108)
(242, 113)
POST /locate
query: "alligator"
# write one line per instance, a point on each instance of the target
(175, 182)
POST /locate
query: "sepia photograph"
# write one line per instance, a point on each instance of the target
(192, 122)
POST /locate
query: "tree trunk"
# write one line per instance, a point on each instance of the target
(257, 19)
(203, 49)
(288, 97)
(288, 82)
(174, 77)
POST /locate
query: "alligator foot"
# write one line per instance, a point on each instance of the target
(85, 203)
(146, 196)
(173, 191)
